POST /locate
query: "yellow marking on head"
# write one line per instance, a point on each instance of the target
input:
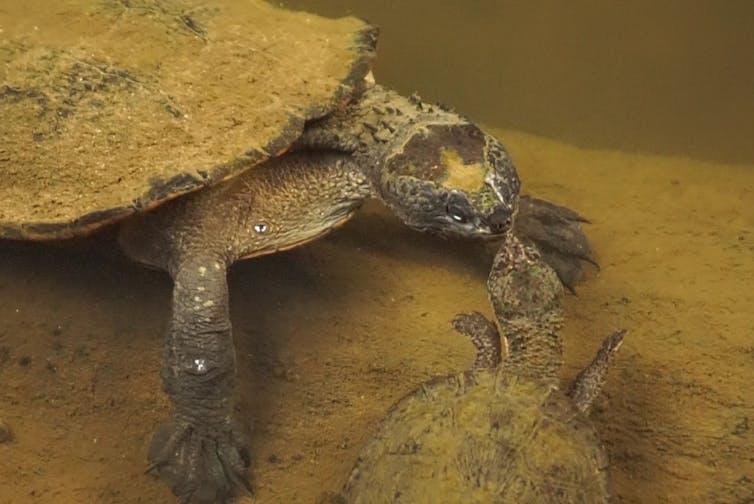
(466, 177)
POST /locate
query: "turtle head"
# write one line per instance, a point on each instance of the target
(451, 178)
(521, 285)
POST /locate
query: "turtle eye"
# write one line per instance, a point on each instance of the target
(261, 227)
(458, 218)
(456, 213)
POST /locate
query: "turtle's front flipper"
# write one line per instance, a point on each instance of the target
(484, 335)
(557, 233)
(200, 453)
(588, 384)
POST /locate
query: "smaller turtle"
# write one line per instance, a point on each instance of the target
(502, 432)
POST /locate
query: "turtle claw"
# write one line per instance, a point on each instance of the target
(201, 464)
(557, 233)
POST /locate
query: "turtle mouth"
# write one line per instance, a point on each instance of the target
(492, 226)
(476, 228)
(500, 221)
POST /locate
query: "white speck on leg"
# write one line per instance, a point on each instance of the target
(217, 266)
(197, 299)
(201, 288)
(200, 366)
(202, 270)
(208, 303)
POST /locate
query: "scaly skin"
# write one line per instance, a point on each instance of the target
(282, 204)
(457, 179)
(588, 384)
(502, 432)
(434, 169)
(527, 299)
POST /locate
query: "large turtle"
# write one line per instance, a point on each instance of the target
(113, 113)
(503, 432)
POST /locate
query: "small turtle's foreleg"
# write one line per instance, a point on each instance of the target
(588, 384)
(557, 233)
(484, 335)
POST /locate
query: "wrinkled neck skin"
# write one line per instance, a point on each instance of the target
(535, 348)
(526, 296)
(284, 203)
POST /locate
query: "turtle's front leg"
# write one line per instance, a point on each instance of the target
(200, 453)
(557, 233)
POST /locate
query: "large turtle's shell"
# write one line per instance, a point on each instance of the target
(481, 437)
(111, 106)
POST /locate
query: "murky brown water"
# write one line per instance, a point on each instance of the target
(329, 335)
(665, 77)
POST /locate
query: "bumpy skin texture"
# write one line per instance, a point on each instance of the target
(434, 169)
(499, 433)
(588, 384)
(483, 335)
(282, 204)
(441, 173)
(527, 298)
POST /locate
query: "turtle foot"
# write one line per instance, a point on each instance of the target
(201, 464)
(556, 231)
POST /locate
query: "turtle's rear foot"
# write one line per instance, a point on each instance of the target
(557, 233)
(201, 464)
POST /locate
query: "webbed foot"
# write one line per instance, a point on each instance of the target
(200, 463)
(556, 231)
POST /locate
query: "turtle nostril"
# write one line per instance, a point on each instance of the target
(500, 221)
(500, 227)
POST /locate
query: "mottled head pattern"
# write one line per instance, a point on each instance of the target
(449, 177)
(521, 285)
(437, 171)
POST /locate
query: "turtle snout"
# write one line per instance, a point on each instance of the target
(500, 220)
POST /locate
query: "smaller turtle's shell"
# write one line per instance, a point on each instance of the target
(482, 437)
